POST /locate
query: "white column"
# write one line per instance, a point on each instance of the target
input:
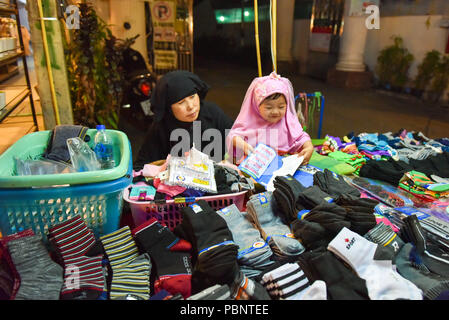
(352, 42)
(284, 33)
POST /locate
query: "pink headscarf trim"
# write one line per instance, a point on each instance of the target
(249, 125)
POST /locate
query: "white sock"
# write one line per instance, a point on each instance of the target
(279, 272)
(317, 291)
(382, 282)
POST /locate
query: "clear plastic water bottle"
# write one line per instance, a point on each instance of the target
(104, 148)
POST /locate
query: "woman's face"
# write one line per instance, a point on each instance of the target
(187, 109)
(273, 110)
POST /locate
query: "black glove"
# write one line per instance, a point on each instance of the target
(333, 184)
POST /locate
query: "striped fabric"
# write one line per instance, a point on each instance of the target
(130, 272)
(73, 239)
(288, 282)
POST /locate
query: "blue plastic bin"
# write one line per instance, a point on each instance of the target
(99, 204)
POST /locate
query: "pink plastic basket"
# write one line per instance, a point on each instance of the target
(169, 213)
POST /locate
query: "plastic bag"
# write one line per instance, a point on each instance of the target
(195, 171)
(41, 166)
(82, 156)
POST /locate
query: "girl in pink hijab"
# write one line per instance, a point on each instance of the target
(268, 116)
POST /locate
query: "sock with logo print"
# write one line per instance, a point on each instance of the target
(273, 230)
(170, 255)
(371, 262)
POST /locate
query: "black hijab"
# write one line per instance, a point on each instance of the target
(172, 87)
(175, 86)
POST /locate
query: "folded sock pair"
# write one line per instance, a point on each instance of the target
(385, 236)
(40, 277)
(170, 255)
(277, 234)
(371, 263)
(214, 252)
(289, 282)
(9, 275)
(130, 271)
(83, 276)
(253, 252)
(292, 197)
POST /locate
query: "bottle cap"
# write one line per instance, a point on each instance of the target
(100, 127)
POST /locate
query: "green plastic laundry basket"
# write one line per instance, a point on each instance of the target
(33, 145)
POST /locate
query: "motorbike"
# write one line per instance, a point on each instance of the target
(135, 114)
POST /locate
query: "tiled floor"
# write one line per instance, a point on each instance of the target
(20, 121)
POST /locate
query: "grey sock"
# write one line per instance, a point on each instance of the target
(273, 230)
(430, 283)
(253, 250)
(386, 237)
(40, 277)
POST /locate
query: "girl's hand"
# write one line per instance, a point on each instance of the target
(306, 152)
(241, 144)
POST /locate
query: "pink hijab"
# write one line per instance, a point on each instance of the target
(286, 135)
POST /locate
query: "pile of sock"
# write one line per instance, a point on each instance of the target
(418, 183)
(428, 271)
(254, 254)
(273, 230)
(119, 263)
(292, 197)
(214, 252)
(324, 222)
(392, 171)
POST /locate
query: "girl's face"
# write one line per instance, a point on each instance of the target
(273, 110)
(187, 109)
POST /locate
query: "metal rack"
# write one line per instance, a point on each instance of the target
(20, 92)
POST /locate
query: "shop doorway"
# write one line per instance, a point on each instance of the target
(324, 38)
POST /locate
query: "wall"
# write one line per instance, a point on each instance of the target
(418, 38)
(300, 46)
(132, 11)
(414, 7)
(117, 12)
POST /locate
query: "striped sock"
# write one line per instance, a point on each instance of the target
(130, 272)
(285, 282)
(84, 276)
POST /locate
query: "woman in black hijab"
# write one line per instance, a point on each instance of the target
(178, 102)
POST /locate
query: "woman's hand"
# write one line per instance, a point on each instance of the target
(306, 151)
